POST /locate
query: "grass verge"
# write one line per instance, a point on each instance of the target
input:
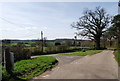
(117, 56)
(27, 69)
(82, 53)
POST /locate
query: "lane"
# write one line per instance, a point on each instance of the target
(98, 66)
(67, 59)
(63, 60)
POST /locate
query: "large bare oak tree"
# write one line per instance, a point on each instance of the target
(93, 24)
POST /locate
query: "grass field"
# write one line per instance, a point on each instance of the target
(26, 69)
(117, 57)
(82, 53)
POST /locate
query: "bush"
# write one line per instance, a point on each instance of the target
(49, 50)
(37, 51)
(56, 49)
(57, 44)
(20, 53)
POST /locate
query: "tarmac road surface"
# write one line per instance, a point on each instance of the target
(97, 66)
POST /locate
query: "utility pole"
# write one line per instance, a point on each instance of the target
(75, 38)
(42, 40)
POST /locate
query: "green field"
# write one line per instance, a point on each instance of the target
(82, 53)
(26, 69)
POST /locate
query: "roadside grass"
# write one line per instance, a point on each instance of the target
(26, 69)
(82, 53)
(117, 56)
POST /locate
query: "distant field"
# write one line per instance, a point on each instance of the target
(49, 43)
(81, 53)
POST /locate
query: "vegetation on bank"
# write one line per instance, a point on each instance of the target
(57, 49)
(24, 53)
(26, 69)
(82, 53)
(117, 56)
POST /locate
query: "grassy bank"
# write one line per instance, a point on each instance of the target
(117, 56)
(27, 69)
(82, 53)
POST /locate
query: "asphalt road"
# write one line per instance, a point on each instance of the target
(98, 66)
(62, 59)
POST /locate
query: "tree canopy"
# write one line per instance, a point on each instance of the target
(93, 24)
(114, 30)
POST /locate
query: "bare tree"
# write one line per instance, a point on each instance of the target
(93, 24)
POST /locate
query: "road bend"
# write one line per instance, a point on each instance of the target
(98, 66)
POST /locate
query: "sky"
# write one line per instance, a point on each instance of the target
(25, 20)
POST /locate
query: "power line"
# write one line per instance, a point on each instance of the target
(9, 21)
(16, 25)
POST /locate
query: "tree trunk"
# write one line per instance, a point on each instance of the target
(110, 44)
(97, 43)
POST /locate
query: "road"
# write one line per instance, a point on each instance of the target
(98, 66)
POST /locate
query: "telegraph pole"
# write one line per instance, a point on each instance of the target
(75, 38)
(42, 40)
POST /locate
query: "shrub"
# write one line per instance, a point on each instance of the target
(56, 49)
(37, 51)
(20, 53)
(57, 44)
(62, 48)
(51, 49)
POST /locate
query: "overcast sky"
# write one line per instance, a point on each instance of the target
(25, 20)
